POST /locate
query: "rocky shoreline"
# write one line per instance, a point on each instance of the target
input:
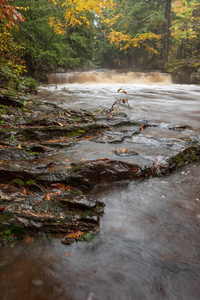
(41, 193)
(184, 72)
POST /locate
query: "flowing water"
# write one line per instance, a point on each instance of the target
(149, 242)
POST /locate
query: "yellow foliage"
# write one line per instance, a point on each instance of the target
(77, 10)
(10, 51)
(56, 25)
(183, 26)
(126, 41)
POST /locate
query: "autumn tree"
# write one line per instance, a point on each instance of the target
(11, 51)
(10, 13)
(136, 30)
(166, 39)
(59, 33)
(185, 28)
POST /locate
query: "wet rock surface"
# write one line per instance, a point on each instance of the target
(50, 157)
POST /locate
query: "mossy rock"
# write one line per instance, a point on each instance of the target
(19, 230)
(31, 182)
(18, 182)
(88, 237)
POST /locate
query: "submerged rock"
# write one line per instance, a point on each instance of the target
(165, 165)
(125, 152)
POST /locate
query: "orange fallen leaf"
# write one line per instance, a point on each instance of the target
(53, 141)
(2, 162)
(74, 235)
(123, 150)
(24, 191)
(2, 209)
(60, 186)
(48, 196)
(20, 146)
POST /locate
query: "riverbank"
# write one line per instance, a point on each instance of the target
(184, 72)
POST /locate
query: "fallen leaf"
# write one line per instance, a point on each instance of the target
(102, 159)
(30, 102)
(2, 209)
(60, 186)
(74, 235)
(2, 162)
(68, 253)
(20, 146)
(123, 150)
(24, 191)
(48, 196)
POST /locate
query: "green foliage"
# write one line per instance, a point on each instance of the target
(135, 30)
(61, 35)
(88, 237)
(185, 29)
(48, 43)
(16, 83)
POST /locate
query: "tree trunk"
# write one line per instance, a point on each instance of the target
(167, 33)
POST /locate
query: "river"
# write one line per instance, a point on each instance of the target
(148, 247)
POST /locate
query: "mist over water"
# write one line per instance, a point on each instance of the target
(148, 247)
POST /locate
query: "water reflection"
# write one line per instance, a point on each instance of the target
(148, 248)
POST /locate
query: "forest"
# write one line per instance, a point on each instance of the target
(43, 36)
(99, 149)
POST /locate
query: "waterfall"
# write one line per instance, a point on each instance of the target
(110, 77)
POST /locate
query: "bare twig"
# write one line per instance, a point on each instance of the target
(122, 100)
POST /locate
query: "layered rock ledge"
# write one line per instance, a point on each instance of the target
(51, 158)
